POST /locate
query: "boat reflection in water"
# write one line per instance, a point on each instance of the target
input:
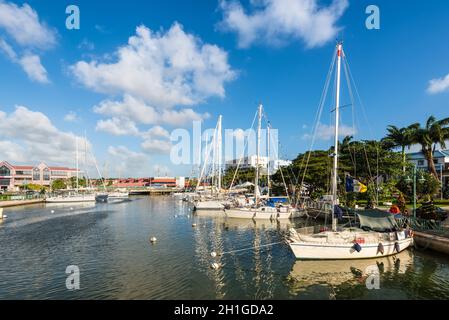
(334, 273)
(246, 266)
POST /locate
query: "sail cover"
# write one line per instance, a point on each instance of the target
(377, 220)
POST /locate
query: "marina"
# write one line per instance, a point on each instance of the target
(110, 245)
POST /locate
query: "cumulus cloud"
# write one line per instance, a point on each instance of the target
(71, 117)
(22, 26)
(117, 127)
(163, 69)
(327, 132)
(276, 21)
(438, 85)
(31, 64)
(30, 136)
(129, 162)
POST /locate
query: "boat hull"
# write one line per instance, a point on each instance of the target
(250, 214)
(346, 251)
(71, 199)
(208, 205)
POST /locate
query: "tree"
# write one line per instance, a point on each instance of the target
(426, 186)
(400, 137)
(435, 132)
(58, 184)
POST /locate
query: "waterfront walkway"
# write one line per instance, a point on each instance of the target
(13, 203)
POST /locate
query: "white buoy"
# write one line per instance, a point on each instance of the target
(153, 239)
(52, 211)
(71, 208)
(214, 266)
(213, 254)
(193, 225)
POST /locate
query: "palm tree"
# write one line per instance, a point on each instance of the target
(435, 132)
(400, 137)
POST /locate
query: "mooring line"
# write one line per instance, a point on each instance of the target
(251, 248)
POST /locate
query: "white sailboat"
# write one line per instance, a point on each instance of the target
(73, 197)
(378, 234)
(214, 200)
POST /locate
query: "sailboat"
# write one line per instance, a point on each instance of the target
(213, 200)
(257, 211)
(378, 234)
(73, 197)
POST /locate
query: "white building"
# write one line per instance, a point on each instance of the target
(251, 162)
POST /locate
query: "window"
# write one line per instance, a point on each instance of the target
(23, 173)
(46, 174)
(4, 182)
(4, 171)
(420, 162)
(36, 174)
(435, 161)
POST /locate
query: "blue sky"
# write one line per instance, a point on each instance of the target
(259, 56)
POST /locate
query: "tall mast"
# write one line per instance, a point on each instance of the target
(268, 158)
(337, 117)
(77, 164)
(219, 147)
(259, 126)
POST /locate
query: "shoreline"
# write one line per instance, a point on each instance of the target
(15, 203)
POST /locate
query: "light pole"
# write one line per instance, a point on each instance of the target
(408, 180)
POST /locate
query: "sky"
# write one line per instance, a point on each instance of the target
(137, 71)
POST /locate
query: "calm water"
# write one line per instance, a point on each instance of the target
(109, 243)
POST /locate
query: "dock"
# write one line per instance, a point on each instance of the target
(432, 240)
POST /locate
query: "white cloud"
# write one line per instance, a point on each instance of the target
(23, 25)
(85, 44)
(327, 132)
(129, 162)
(30, 136)
(275, 21)
(31, 64)
(163, 69)
(156, 140)
(117, 127)
(71, 117)
(438, 85)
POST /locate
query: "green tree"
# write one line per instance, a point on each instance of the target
(400, 138)
(58, 184)
(435, 132)
(426, 186)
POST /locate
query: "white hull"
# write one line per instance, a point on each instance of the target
(346, 251)
(209, 205)
(118, 196)
(257, 214)
(283, 215)
(74, 199)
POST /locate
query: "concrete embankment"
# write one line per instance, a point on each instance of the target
(13, 203)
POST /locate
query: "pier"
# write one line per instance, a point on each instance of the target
(14, 203)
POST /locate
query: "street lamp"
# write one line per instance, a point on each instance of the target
(421, 180)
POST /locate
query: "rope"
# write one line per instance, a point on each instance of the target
(251, 248)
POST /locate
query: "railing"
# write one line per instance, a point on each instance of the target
(18, 197)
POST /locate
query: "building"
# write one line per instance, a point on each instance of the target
(441, 160)
(247, 162)
(169, 182)
(251, 162)
(12, 177)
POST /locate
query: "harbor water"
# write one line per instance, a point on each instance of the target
(110, 244)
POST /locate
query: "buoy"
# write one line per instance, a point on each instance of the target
(153, 239)
(213, 254)
(52, 211)
(214, 265)
(380, 248)
(71, 208)
(193, 225)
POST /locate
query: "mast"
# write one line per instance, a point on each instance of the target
(268, 158)
(337, 117)
(77, 164)
(259, 126)
(219, 147)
